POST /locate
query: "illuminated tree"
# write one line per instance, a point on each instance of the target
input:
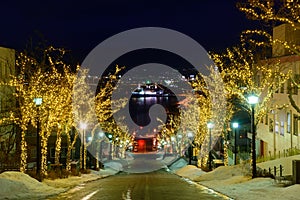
(206, 104)
(211, 100)
(273, 13)
(244, 74)
(8, 137)
(96, 110)
(41, 77)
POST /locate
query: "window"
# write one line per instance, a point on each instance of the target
(271, 125)
(281, 128)
(295, 123)
(288, 118)
(267, 119)
(276, 127)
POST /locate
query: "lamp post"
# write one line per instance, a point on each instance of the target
(38, 102)
(110, 146)
(235, 125)
(179, 141)
(101, 135)
(83, 127)
(190, 149)
(253, 100)
(210, 125)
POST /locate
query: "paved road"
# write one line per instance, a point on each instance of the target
(143, 186)
(144, 178)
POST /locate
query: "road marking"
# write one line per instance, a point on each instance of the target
(128, 195)
(206, 189)
(90, 195)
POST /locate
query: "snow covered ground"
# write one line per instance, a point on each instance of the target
(234, 182)
(17, 185)
(228, 180)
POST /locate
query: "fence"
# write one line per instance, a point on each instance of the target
(280, 154)
(276, 173)
(10, 166)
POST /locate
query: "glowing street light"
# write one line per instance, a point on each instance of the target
(235, 125)
(38, 102)
(253, 100)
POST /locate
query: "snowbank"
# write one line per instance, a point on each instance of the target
(114, 165)
(178, 164)
(190, 171)
(223, 172)
(17, 185)
(234, 182)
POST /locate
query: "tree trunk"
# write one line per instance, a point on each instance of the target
(23, 152)
(58, 147)
(44, 149)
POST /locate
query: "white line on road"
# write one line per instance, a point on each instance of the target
(87, 197)
(128, 195)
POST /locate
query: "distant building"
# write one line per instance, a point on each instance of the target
(279, 132)
(7, 104)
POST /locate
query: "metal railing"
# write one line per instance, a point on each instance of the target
(281, 154)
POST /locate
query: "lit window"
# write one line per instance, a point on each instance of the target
(281, 128)
(276, 127)
(288, 117)
(271, 125)
(295, 123)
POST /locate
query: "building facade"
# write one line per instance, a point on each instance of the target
(278, 132)
(7, 104)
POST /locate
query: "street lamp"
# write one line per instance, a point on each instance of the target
(38, 102)
(190, 149)
(253, 100)
(210, 125)
(235, 125)
(101, 135)
(83, 127)
(110, 137)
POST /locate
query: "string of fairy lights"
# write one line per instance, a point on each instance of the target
(241, 70)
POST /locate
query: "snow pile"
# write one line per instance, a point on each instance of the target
(178, 164)
(232, 181)
(190, 172)
(168, 160)
(114, 165)
(73, 181)
(222, 173)
(20, 185)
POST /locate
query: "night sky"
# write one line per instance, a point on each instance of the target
(80, 26)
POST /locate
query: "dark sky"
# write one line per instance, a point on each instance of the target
(81, 25)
